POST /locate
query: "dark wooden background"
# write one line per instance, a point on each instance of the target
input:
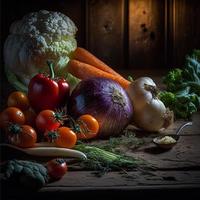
(127, 34)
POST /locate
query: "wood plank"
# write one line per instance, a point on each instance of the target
(185, 155)
(105, 30)
(146, 34)
(119, 180)
(85, 184)
(186, 29)
(177, 170)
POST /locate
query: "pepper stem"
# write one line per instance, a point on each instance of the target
(50, 65)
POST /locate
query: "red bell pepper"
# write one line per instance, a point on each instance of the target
(48, 92)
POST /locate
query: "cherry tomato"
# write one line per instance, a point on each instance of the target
(30, 117)
(19, 100)
(11, 115)
(47, 120)
(62, 137)
(22, 135)
(56, 168)
(89, 127)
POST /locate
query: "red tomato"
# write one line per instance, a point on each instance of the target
(89, 127)
(22, 136)
(62, 137)
(11, 115)
(18, 99)
(56, 168)
(47, 120)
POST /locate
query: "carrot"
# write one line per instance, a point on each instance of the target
(85, 56)
(83, 71)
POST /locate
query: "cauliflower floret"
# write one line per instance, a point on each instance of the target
(36, 38)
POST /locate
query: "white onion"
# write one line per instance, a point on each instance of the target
(153, 116)
(149, 113)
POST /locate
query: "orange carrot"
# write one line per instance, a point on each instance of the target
(83, 71)
(85, 56)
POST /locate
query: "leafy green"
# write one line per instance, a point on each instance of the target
(109, 154)
(182, 93)
(15, 82)
(21, 86)
(104, 161)
(25, 173)
(72, 80)
(173, 79)
(183, 104)
(120, 144)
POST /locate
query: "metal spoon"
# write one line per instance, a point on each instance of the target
(175, 137)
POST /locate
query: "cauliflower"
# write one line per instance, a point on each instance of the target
(36, 38)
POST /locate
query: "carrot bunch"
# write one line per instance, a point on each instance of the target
(85, 65)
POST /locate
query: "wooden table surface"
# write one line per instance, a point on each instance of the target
(176, 171)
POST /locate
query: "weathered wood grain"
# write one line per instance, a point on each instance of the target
(185, 29)
(83, 184)
(105, 30)
(185, 155)
(128, 179)
(146, 34)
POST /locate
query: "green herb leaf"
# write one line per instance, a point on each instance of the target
(25, 173)
(182, 93)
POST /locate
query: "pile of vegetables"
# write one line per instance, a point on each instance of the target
(182, 93)
(34, 39)
(72, 96)
(149, 112)
(46, 35)
(48, 121)
(40, 114)
(32, 175)
(104, 99)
